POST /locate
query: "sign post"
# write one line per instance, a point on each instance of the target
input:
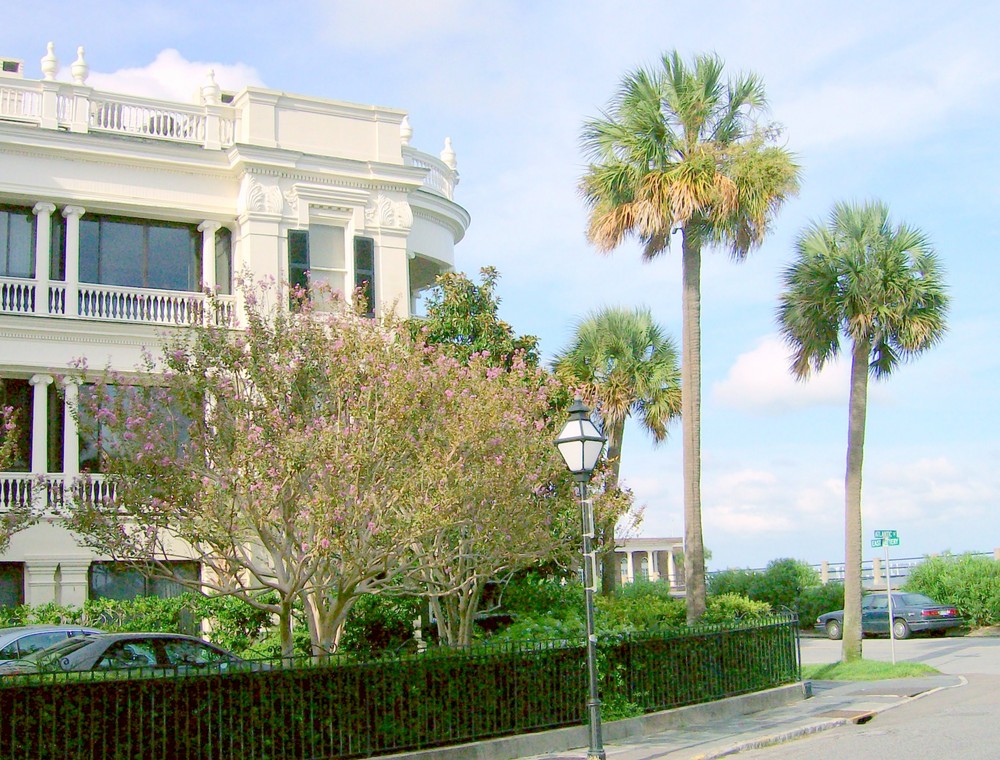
(885, 539)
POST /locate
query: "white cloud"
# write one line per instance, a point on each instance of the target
(171, 77)
(760, 381)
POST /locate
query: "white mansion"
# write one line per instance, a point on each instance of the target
(118, 214)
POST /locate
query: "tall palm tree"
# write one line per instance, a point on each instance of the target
(680, 148)
(623, 364)
(880, 286)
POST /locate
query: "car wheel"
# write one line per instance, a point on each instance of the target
(900, 629)
(834, 630)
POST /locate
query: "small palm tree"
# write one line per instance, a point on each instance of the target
(623, 364)
(682, 148)
(881, 287)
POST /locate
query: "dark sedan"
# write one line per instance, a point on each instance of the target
(126, 651)
(911, 613)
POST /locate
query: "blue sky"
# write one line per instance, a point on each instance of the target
(893, 100)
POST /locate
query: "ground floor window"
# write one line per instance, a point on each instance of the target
(11, 584)
(128, 580)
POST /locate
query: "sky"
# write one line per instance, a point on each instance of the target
(890, 100)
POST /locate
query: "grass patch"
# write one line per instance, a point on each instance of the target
(866, 670)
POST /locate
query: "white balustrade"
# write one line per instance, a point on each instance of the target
(18, 489)
(148, 306)
(440, 177)
(20, 102)
(17, 295)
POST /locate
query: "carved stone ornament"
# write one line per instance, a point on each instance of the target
(292, 199)
(383, 211)
(258, 197)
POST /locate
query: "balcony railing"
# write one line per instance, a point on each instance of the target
(440, 179)
(60, 105)
(114, 303)
(21, 491)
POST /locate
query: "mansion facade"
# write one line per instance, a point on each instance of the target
(118, 214)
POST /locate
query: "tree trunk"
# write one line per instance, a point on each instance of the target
(285, 630)
(858, 406)
(694, 547)
(610, 566)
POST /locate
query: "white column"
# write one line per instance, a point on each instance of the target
(43, 241)
(671, 570)
(40, 424)
(72, 216)
(651, 575)
(40, 580)
(71, 441)
(208, 230)
(73, 581)
(631, 566)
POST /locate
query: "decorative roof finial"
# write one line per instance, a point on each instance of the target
(405, 130)
(448, 155)
(50, 64)
(210, 91)
(80, 68)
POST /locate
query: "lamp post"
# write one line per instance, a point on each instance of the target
(581, 444)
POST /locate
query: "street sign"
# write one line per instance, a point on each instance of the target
(890, 534)
(893, 542)
(877, 543)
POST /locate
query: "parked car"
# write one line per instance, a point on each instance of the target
(121, 651)
(911, 613)
(17, 643)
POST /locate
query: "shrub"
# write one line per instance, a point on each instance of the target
(539, 594)
(234, 624)
(379, 624)
(730, 581)
(725, 607)
(818, 600)
(643, 608)
(783, 582)
(971, 583)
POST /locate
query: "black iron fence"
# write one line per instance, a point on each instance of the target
(362, 709)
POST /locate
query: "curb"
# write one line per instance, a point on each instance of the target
(574, 737)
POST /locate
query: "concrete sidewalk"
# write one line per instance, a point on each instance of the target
(716, 729)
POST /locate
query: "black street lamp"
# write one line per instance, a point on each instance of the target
(581, 444)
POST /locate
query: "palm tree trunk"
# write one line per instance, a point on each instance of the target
(852, 501)
(694, 548)
(610, 566)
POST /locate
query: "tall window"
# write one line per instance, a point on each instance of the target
(18, 394)
(224, 261)
(318, 255)
(139, 253)
(57, 248)
(17, 242)
(11, 584)
(364, 271)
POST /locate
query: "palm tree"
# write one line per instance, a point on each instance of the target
(682, 149)
(622, 363)
(881, 287)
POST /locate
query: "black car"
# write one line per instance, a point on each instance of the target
(155, 652)
(911, 613)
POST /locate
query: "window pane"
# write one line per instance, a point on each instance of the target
(121, 254)
(90, 249)
(224, 261)
(11, 584)
(18, 394)
(174, 257)
(57, 248)
(298, 258)
(115, 580)
(38, 641)
(17, 242)
(56, 421)
(326, 247)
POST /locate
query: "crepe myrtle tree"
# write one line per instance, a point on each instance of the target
(276, 455)
(495, 493)
(18, 513)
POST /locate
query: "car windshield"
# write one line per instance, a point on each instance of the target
(46, 657)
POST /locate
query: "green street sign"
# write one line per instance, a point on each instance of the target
(886, 534)
(893, 542)
(877, 543)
